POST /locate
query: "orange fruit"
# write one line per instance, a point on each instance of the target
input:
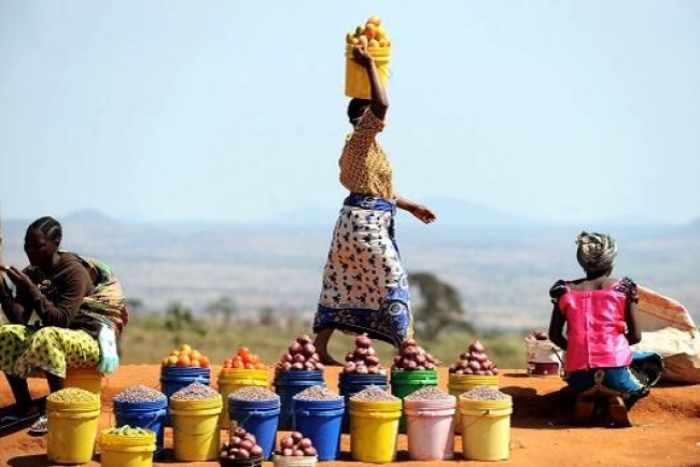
(260, 366)
(376, 20)
(371, 30)
(183, 360)
(195, 355)
(204, 361)
(185, 348)
(194, 363)
(172, 360)
(249, 366)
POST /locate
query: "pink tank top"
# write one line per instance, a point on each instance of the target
(596, 326)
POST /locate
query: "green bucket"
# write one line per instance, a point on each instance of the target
(406, 382)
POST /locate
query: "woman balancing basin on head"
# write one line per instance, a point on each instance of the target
(80, 308)
(365, 287)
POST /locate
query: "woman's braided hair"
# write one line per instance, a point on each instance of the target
(50, 227)
(596, 251)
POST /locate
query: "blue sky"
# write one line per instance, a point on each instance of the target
(234, 111)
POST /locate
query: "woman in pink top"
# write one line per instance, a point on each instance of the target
(599, 314)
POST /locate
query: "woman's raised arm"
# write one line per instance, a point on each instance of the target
(380, 101)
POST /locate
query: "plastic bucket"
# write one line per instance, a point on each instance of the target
(356, 78)
(294, 461)
(430, 428)
(88, 379)
(126, 451)
(459, 384)
(374, 430)
(321, 422)
(350, 384)
(72, 431)
(196, 428)
(287, 385)
(148, 414)
(486, 428)
(260, 418)
(240, 462)
(231, 379)
(174, 378)
(404, 383)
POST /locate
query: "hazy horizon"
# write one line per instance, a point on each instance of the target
(571, 113)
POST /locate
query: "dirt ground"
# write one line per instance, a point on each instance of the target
(666, 431)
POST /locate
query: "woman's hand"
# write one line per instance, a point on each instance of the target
(361, 56)
(423, 213)
(21, 280)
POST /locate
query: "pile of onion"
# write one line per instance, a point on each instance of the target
(301, 356)
(412, 357)
(474, 362)
(363, 360)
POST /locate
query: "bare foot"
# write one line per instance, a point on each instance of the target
(328, 360)
(321, 344)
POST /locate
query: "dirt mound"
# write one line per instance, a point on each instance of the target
(666, 431)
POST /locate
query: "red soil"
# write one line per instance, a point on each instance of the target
(666, 431)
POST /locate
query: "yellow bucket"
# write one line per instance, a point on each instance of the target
(459, 384)
(374, 429)
(232, 379)
(356, 78)
(486, 428)
(196, 428)
(72, 430)
(126, 451)
(84, 378)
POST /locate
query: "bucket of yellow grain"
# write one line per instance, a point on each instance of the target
(127, 447)
(73, 415)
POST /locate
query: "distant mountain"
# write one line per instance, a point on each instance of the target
(451, 213)
(87, 216)
(457, 213)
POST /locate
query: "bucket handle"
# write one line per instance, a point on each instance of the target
(486, 412)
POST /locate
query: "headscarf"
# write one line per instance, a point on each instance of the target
(596, 252)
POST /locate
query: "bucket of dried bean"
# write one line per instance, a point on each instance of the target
(73, 415)
(257, 410)
(127, 446)
(485, 424)
(430, 423)
(144, 407)
(318, 415)
(374, 425)
(195, 411)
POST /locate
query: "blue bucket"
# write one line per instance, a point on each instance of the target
(350, 384)
(321, 421)
(174, 378)
(287, 385)
(259, 418)
(148, 414)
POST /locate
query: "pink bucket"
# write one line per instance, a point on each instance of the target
(430, 428)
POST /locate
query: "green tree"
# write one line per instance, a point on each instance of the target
(439, 307)
(179, 321)
(267, 317)
(225, 307)
(134, 304)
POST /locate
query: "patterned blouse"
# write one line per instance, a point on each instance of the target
(364, 168)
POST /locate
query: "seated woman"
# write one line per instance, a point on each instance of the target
(599, 313)
(80, 308)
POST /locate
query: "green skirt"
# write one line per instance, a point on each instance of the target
(25, 350)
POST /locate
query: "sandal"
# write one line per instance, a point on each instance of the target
(40, 427)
